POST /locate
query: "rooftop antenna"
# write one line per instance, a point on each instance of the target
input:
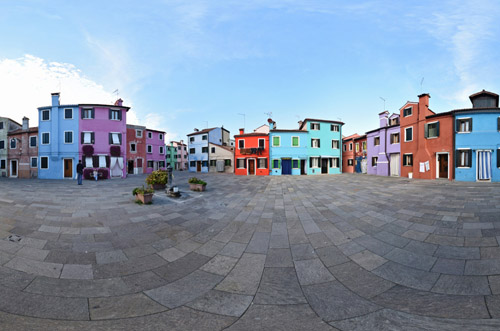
(270, 114)
(421, 83)
(206, 124)
(244, 117)
(116, 92)
(384, 102)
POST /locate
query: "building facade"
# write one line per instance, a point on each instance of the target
(178, 157)
(348, 154)
(155, 150)
(6, 125)
(198, 146)
(136, 149)
(251, 154)
(360, 150)
(383, 147)
(288, 151)
(221, 158)
(23, 151)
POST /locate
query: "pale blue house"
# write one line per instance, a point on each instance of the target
(198, 147)
(288, 152)
(477, 139)
(58, 140)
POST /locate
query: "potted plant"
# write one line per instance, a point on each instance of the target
(157, 179)
(144, 195)
(196, 184)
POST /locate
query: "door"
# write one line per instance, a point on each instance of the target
(139, 166)
(484, 165)
(442, 165)
(286, 167)
(13, 168)
(68, 168)
(395, 164)
(358, 165)
(251, 167)
(198, 166)
(302, 167)
(364, 165)
(130, 167)
(324, 166)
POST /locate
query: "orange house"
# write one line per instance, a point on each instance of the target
(348, 153)
(426, 141)
(251, 155)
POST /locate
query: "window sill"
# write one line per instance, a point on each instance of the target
(462, 132)
(432, 137)
(464, 167)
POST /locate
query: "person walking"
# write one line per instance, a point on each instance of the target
(79, 171)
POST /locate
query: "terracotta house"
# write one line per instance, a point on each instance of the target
(251, 154)
(360, 152)
(6, 125)
(23, 151)
(348, 153)
(136, 149)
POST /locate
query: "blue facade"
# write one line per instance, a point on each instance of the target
(322, 157)
(58, 155)
(285, 159)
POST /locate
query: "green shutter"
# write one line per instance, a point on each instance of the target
(295, 141)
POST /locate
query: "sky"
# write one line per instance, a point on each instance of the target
(191, 64)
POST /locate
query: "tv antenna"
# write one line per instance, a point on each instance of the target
(244, 116)
(270, 114)
(383, 101)
(206, 122)
(421, 83)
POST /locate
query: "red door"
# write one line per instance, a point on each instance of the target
(251, 167)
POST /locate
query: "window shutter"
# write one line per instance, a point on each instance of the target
(279, 164)
(92, 137)
(310, 163)
(109, 113)
(457, 159)
(93, 113)
(108, 161)
(82, 135)
(498, 124)
(265, 163)
(312, 144)
(95, 161)
(426, 130)
(120, 138)
(110, 138)
(81, 112)
(319, 141)
(437, 129)
(498, 155)
(120, 116)
(457, 126)
(84, 163)
(470, 127)
(469, 164)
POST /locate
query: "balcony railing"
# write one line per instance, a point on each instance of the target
(252, 150)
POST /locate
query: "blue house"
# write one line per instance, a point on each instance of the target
(324, 139)
(288, 152)
(477, 139)
(58, 137)
(198, 146)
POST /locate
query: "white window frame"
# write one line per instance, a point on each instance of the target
(411, 111)
(291, 141)
(344, 148)
(160, 136)
(317, 159)
(258, 161)
(15, 143)
(42, 138)
(238, 163)
(31, 162)
(402, 161)
(138, 133)
(48, 165)
(428, 124)
(113, 112)
(350, 146)
(71, 113)
(118, 136)
(239, 142)
(279, 140)
(470, 165)
(150, 135)
(314, 140)
(72, 138)
(29, 141)
(464, 118)
(356, 148)
(313, 124)
(90, 141)
(149, 149)
(161, 150)
(41, 117)
(410, 127)
(264, 140)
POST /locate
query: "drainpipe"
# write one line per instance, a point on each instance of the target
(385, 152)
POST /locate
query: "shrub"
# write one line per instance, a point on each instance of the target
(142, 190)
(157, 177)
(88, 150)
(194, 180)
(115, 151)
(103, 173)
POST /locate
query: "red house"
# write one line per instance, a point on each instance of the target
(251, 153)
(136, 149)
(360, 161)
(348, 153)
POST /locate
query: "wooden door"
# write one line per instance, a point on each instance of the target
(198, 166)
(324, 166)
(443, 165)
(68, 168)
(13, 168)
(251, 167)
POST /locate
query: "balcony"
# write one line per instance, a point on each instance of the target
(252, 150)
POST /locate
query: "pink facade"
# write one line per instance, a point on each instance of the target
(182, 155)
(155, 150)
(103, 127)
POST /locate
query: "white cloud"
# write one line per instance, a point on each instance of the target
(27, 82)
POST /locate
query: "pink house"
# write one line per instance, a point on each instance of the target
(155, 150)
(103, 139)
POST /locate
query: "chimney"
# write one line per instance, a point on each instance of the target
(272, 124)
(423, 104)
(196, 130)
(26, 123)
(55, 99)
(119, 102)
(300, 124)
(383, 117)
(242, 131)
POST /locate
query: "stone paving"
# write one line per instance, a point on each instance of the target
(347, 252)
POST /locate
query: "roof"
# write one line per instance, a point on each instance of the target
(135, 126)
(483, 92)
(440, 114)
(251, 134)
(18, 131)
(291, 130)
(101, 105)
(155, 130)
(200, 132)
(360, 137)
(318, 120)
(384, 127)
(227, 148)
(352, 136)
(60, 106)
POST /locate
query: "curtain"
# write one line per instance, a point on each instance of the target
(88, 162)
(86, 137)
(116, 139)
(113, 162)
(102, 161)
(484, 166)
(120, 162)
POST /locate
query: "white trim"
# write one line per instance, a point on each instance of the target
(402, 161)
(160, 136)
(437, 164)
(254, 166)
(410, 127)
(272, 143)
(72, 168)
(350, 147)
(15, 143)
(40, 165)
(31, 162)
(72, 111)
(72, 138)
(161, 150)
(258, 142)
(411, 114)
(291, 142)
(477, 165)
(17, 168)
(41, 136)
(41, 117)
(239, 141)
(29, 142)
(148, 147)
(136, 133)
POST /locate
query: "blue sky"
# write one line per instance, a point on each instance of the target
(180, 64)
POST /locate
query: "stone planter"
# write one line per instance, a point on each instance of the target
(145, 198)
(197, 187)
(157, 187)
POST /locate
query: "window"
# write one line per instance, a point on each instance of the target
(314, 162)
(295, 164)
(364, 145)
(204, 164)
(115, 115)
(138, 133)
(34, 162)
(432, 130)
(2, 144)
(315, 143)
(192, 164)
(149, 149)
(227, 162)
(101, 161)
(262, 163)
(2, 164)
(87, 137)
(345, 147)
(13, 143)
(212, 150)
(409, 134)
(464, 125)
(191, 139)
(68, 137)
(160, 136)
(87, 114)
(45, 139)
(374, 161)
(204, 149)
(464, 158)
(1, 125)
(150, 135)
(357, 147)
(161, 150)
(334, 162)
(335, 144)
(395, 138)
(44, 162)
(33, 140)
(192, 151)
(89, 162)
(46, 115)
(262, 143)
(276, 141)
(334, 128)
(350, 146)
(240, 163)
(376, 141)
(295, 141)
(115, 138)
(133, 147)
(68, 114)
(394, 121)
(314, 126)
(407, 160)
(213, 163)
(276, 164)
(161, 164)
(350, 162)
(241, 143)
(204, 137)
(150, 164)
(407, 111)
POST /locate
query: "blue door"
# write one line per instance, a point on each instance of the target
(286, 167)
(358, 164)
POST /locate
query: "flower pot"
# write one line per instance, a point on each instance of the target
(146, 198)
(197, 187)
(157, 187)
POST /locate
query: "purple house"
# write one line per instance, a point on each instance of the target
(103, 139)
(383, 147)
(155, 150)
